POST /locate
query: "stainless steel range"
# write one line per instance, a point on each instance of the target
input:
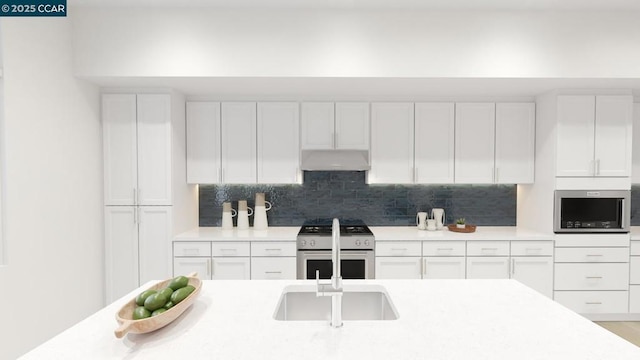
(356, 251)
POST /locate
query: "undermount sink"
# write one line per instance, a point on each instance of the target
(359, 302)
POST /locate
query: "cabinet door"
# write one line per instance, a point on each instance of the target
(434, 143)
(120, 154)
(535, 272)
(515, 143)
(273, 268)
(634, 299)
(635, 173)
(121, 251)
(352, 126)
(231, 268)
(278, 143)
(398, 267)
(444, 267)
(488, 267)
(238, 143)
(203, 142)
(474, 154)
(154, 242)
(317, 125)
(613, 135)
(154, 149)
(575, 129)
(188, 265)
(391, 143)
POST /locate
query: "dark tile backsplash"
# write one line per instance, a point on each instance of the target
(344, 194)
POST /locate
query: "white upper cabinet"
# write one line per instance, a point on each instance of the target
(317, 125)
(515, 143)
(434, 143)
(203, 142)
(594, 136)
(278, 143)
(635, 174)
(239, 142)
(352, 126)
(391, 143)
(137, 142)
(326, 125)
(474, 144)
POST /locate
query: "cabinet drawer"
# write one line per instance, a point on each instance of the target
(192, 249)
(634, 299)
(594, 302)
(443, 248)
(531, 248)
(487, 248)
(274, 268)
(592, 255)
(280, 248)
(580, 240)
(591, 277)
(635, 248)
(230, 248)
(635, 270)
(399, 248)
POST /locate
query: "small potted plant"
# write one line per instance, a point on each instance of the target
(460, 223)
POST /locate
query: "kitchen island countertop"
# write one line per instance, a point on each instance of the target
(438, 319)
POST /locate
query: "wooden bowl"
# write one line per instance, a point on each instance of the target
(125, 315)
(467, 229)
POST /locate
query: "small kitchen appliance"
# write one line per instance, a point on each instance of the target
(592, 211)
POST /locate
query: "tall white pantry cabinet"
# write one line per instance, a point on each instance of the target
(138, 153)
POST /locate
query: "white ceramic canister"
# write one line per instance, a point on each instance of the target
(227, 216)
(260, 213)
(421, 220)
(243, 215)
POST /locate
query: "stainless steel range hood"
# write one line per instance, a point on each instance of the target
(335, 160)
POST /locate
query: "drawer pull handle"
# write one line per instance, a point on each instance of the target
(191, 251)
(594, 255)
(593, 303)
(489, 249)
(593, 277)
(445, 249)
(229, 250)
(398, 249)
(272, 249)
(273, 272)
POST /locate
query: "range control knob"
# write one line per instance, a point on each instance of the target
(312, 243)
(303, 242)
(366, 243)
(357, 242)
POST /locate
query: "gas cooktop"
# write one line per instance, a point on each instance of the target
(345, 230)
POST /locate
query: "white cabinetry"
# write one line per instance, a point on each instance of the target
(635, 171)
(487, 260)
(474, 144)
(278, 143)
(398, 260)
(434, 143)
(443, 260)
(594, 277)
(532, 265)
(594, 136)
(326, 125)
(515, 143)
(137, 149)
(203, 142)
(239, 159)
(230, 261)
(634, 288)
(273, 260)
(191, 257)
(392, 126)
(137, 141)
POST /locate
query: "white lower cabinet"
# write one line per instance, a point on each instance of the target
(187, 265)
(443, 267)
(607, 276)
(535, 272)
(634, 299)
(397, 267)
(231, 268)
(273, 268)
(496, 267)
(594, 302)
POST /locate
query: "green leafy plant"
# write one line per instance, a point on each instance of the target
(460, 221)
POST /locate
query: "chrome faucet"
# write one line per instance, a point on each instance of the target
(333, 289)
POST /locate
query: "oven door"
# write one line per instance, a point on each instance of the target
(579, 211)
(353, 264)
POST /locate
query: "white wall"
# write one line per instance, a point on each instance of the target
(124, 41)
(54, 274)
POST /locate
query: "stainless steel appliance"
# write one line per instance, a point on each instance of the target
(357, 259)
(592, 211)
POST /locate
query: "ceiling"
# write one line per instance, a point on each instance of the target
(380, 4)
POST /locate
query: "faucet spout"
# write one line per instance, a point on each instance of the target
(333, 289)
(336, 278)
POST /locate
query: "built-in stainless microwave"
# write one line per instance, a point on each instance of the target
(593, 211)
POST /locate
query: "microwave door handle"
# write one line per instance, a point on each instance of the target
(622, 215)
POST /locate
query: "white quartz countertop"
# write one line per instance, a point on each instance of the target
(635, 233)
(439, 319)
(386, 233)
